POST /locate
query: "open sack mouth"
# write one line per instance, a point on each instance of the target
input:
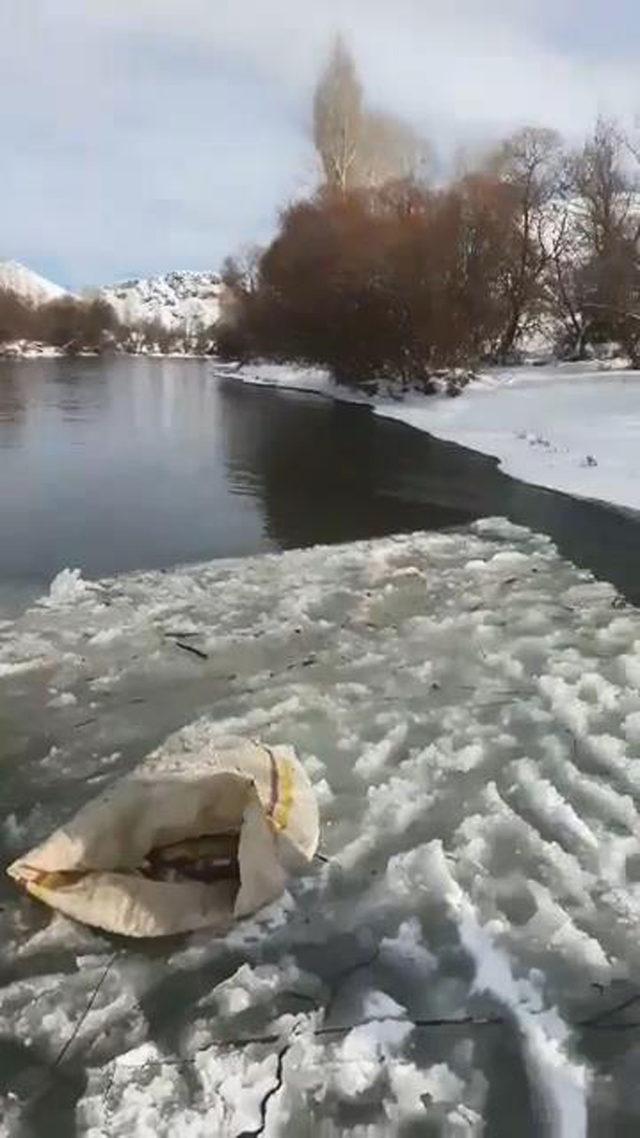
(180, 846)
(208, 858)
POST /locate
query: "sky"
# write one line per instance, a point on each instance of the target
(138, 136)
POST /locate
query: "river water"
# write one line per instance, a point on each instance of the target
(113, 465)
(467, 705)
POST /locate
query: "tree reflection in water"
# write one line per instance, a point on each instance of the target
(329, 472)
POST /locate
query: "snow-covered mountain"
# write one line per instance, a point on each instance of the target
(178, 300)
(17, 278)
(181, 301)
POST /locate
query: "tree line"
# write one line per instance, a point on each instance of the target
(381, 275)
(73, 324)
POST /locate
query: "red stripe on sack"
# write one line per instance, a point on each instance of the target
(275, 783)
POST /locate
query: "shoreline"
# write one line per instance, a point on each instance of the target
(57, 354)
(570, 428)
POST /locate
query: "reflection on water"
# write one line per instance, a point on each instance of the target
(11, 409)
(340, 473)
(114, 465)
(119, 464)
(334, 472)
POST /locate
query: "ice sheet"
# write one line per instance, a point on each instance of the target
(467, 705)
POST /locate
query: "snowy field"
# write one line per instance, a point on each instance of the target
(468, 707)
(569, 427)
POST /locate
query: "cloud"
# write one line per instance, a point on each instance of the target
(140, 136)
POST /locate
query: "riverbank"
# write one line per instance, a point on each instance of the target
(212, 459)
(568, 427)
(35, 350)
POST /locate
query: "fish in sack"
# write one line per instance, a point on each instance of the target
(184, 841)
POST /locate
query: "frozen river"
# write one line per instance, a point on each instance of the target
(466, 960)
(468, 707)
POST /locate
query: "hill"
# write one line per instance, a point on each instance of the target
(28, 285)
(180, 300)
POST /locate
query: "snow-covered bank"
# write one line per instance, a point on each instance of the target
(34, 350)
(468, 707)
(29, 350)
(569, 427)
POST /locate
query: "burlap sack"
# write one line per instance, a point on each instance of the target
(91, 868)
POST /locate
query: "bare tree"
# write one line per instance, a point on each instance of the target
(530, 164)
(608, 230)
(389, 150)
(359, 147)
(18, 317)
(604, 189)
(337, 118)
(241, 272)
(564, 277)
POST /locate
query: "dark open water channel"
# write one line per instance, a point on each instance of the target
(125, 464)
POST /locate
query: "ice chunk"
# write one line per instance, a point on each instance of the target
(68, 586)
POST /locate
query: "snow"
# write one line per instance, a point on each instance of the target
(315, 380)
(17, 278)
(29, 350)
(568, 427)
(183, 302)
(573, 428)
(67, 587)
(561, 1082)
(476, 752)
(178, 300)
